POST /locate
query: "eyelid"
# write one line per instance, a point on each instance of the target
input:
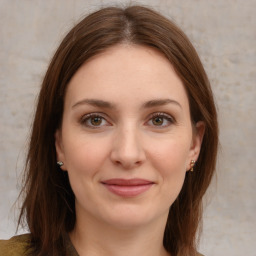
(155, 114)
(168, 117)
(86, 117)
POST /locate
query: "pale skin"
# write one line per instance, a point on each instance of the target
(126, 116)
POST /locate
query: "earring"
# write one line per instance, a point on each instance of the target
(60, 163)
(192, 164)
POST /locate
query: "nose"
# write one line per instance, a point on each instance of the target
(127, 149)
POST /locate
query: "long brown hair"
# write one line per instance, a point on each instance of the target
(48, 207)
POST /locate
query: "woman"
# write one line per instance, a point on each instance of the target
(124, 142)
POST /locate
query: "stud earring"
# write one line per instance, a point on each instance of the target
(60, 163)
(192, 164)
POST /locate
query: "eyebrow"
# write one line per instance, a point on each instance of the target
(160, 102)
(106, 104)
(95, 102)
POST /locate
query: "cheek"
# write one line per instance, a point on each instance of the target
(84, 160)
(169, 156)
(169, 159)
(84, 157)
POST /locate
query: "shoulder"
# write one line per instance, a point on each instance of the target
(15, 246)
(199, 254)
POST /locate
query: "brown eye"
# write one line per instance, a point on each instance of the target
(96, 120)
(157, 121)
(160, 120)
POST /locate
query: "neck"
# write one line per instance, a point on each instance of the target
(90, 237)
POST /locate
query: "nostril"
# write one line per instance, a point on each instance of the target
(128, 164)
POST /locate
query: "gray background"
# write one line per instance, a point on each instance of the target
(224, 33)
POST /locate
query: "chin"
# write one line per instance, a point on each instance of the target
(129, 217)
(128, 222)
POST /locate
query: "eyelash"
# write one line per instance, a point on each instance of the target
(89, 117)
(164, 116)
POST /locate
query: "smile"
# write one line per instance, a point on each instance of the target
(127, 188)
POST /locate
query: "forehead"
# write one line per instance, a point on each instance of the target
(124, 71)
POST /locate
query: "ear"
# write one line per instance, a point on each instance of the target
(59, 148)
(197, 139)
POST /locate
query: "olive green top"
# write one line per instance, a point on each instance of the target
(18, 245)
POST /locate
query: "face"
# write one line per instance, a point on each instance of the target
(126, 138)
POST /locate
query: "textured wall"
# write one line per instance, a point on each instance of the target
(224, 32)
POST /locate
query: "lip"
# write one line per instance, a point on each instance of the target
(127, 187)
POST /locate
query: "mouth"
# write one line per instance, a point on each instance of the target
(127, 187)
